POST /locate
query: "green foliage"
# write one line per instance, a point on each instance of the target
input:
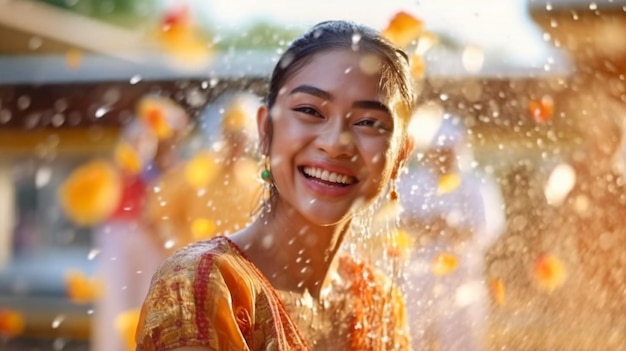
(259, 35)
(126, 13)
(137, 13)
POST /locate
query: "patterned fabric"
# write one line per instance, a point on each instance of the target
(210, 294)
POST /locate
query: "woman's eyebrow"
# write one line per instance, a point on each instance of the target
(311, 90)
(371, 105)
(322, 94)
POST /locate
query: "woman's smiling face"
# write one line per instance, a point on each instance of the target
(332, 132)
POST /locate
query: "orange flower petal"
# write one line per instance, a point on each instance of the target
(181, 38)
(12, 323)
(403, 29)
(154, 117)
(549, 272)
(125, 325)
(497, 290)
(81, 288)
(444, 263)
(91, 193)
(541, 110)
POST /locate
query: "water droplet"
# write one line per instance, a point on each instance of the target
(35, 43)
(23, 102)
(57, 120)
(31, 120)
(5, 116)
(58, 344)
(42, 177)
(93, 254)
(356, 39)
(101, 111)
(268, 240)
(560, 182)
(57, 321)
(473, 58)
(135, 79)
(345, 138)
(111, 96)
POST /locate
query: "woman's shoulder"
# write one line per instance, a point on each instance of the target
(198, 255)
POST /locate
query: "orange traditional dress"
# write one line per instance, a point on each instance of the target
(209, 294)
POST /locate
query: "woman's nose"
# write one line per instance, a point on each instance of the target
(336, 140)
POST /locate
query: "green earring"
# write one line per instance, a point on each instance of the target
(266, 175)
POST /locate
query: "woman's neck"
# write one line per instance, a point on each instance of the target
(292, 254)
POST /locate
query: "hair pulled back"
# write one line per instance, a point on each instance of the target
(396, 81)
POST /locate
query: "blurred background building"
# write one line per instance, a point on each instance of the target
(538, 85)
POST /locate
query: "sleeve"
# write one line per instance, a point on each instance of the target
(190, 304)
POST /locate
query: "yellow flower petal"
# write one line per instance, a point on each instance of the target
(203, 228)
(201, 170)
(127, 158)
(444, 263)
(73, 58)
(448, 183)
(401, 244)
(418, 66)
(125, 325)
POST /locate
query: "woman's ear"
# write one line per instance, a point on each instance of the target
(264, 127)
(403, 155)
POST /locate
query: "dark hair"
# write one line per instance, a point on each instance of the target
(344, 34)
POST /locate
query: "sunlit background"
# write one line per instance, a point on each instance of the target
(533, 92)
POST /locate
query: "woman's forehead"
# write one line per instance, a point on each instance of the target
(339, 71)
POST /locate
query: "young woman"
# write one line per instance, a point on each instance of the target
(333, 133)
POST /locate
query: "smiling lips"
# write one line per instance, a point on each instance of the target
(328, 177)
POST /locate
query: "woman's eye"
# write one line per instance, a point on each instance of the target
(374, 124)
(308, 110)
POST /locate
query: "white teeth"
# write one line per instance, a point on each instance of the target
(327, 176)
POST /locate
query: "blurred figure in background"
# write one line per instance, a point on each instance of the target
(149, 147)
(455, 214)
(216, 191)
(110, 196)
